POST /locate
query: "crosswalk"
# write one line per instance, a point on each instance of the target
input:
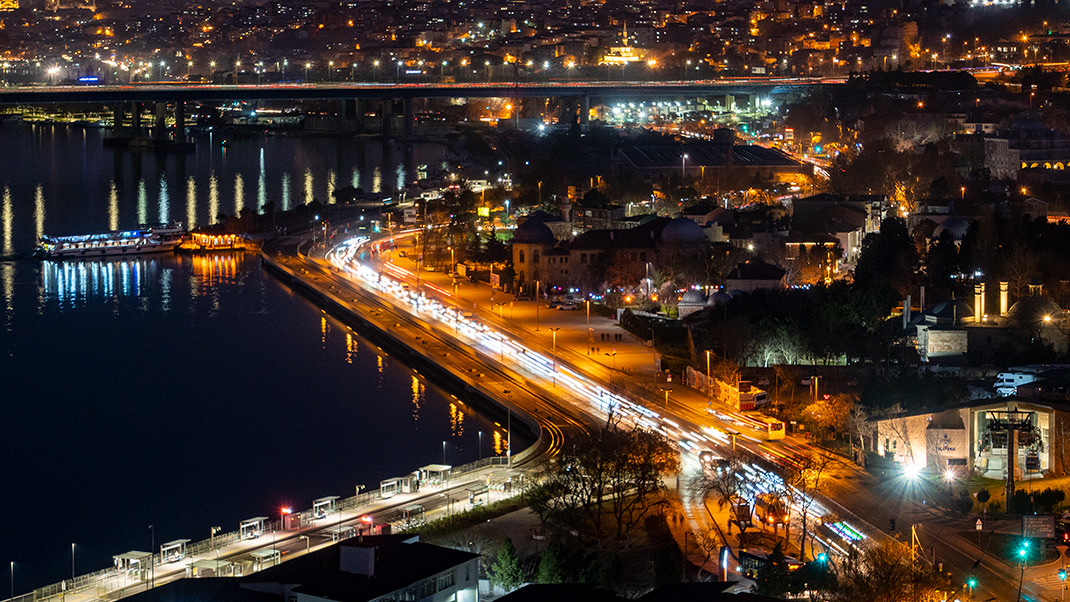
(1048, 580)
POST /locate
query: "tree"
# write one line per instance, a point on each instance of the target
(553, 564)
(883, 572)
(888, 259)
(506, 571)
(613, 473)
(773, 579)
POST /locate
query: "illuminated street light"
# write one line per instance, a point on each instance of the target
(554, 333)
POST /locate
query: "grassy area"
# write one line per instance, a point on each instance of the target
(469, 518)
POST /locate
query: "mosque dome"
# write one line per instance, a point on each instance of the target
(533, 232)
(682, 232)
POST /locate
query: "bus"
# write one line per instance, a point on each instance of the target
(766, 427)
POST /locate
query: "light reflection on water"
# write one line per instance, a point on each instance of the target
(181, 358)
(84, 187)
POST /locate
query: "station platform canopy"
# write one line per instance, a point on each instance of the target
(324, 506)
(262, 556)
(251, 528)
(132, 559)
(435, 472)
(341, 532)
(215, 567)
(173, 551)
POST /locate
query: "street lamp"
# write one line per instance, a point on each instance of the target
(283, 513)
(443, 453)
(12, 580)
(553, 331)
(590, 335)
(308, 543)
(709, 389)
(509, 432)
(214, 531)
(682, 159)
(480, 450)
(152, 556)
(330, 66)
(613, 354)
(72, 565)
(666, 390)
(307, 67)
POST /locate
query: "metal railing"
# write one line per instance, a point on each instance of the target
(98, 580)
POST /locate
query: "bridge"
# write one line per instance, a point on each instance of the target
(358, 99)
(193, 92)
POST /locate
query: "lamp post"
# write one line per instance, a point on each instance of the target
(283, 513)
(308, 543)
(709, 389)
(508, 432)
(307, 67)
(152, 557)
(554, 347)
(72, 565)
(613, 354)
(666, 390)
(12, 580)
(536, 306)
(683, 158)
(214, 531)
(590, 335)
(443, 453)
(480, 445)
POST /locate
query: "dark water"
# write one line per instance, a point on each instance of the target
(182, 392)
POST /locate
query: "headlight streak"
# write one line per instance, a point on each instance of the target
(496, 346)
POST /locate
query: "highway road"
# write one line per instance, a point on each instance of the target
(863, 501)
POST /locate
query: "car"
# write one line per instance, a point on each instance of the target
(402, 254)
(567, 307)
(553, 304)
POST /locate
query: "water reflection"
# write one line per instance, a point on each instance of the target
(194, 188)
(72, 283)
(113, 207)
(213, 197)
(8, 219)
(239, 194)
(142, 203)
(39, 212)
(285, 192)
(456, 420)
(351, 347)
(309, 196)
(191, 203)
(417, 397)
(165, 202)
(212, 270)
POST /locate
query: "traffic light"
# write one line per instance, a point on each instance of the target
(1062, 574)
(822, 558)
(891, 524)
(972, 582)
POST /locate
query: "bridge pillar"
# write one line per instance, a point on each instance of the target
(159, 124)
(180, 121)
(118, 116)
(135, 118)
(585, 109)
(388, 117)
(565, 112)
(358, 114)
(407, 115)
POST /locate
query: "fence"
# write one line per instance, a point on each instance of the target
(99, 580)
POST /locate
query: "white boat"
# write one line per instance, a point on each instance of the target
(150, 239)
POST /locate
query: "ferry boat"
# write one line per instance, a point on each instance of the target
(160, 238)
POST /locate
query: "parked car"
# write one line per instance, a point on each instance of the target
(568, 306)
